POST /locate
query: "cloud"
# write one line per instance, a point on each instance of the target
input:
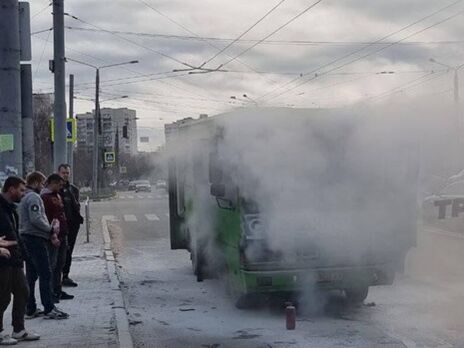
(190, 95)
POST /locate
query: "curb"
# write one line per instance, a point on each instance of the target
(122, 322)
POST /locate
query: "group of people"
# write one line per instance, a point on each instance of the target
(39, 222)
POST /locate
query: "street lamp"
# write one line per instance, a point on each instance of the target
(97, 119)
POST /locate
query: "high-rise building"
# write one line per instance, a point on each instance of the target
(119, 127)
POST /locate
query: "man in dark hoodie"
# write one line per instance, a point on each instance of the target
(54, 209)
(12, 279)
(38, 237)
(70, 195)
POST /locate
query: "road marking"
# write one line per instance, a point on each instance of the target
(152, 217)
(122, 197)
(110, 218)
(140, 196)
(167, 214)
(130, 197)
(129, 218)
(150, 196)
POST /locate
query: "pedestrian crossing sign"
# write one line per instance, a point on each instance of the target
(71, 130)
(110, 157)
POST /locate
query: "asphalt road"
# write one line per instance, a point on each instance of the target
(168, 308)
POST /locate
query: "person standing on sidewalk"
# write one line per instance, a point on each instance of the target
(70, 196)
(37, 235)
(12, 278)
(54, 209)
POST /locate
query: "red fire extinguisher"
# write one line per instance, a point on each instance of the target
(290, 313)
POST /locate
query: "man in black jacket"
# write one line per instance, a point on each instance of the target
(70, 195)
(12, 278)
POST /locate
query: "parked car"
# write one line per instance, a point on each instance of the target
(132, 185)
(143, 186)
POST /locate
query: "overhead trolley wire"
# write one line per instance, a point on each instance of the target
(411, 84)
(272, 33)
(196, 35)
(363, 48)
(245, 32)
(266, 42)
(130, 41)
(41, 11)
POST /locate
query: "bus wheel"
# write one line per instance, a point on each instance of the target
(356, 295)
(198, 264)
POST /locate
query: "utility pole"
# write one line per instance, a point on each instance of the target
(27, 119)
(26, 88)
(71, 115)
(458, 122)
(97, 157)
(96, 135)
(10, 90)
(59, 146)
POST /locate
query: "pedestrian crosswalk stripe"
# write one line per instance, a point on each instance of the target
(130, 218)
(130, 197)
(150, 196)
(110, 218)
(122, 197)
(140, 196)
(152, 217)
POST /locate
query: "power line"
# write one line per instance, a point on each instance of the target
(272, 33)
(195, 34)
(266, 42)
(171, 96)
(41, 31)
(125, 78)
(130, 41)
(43, 51)
(363, 48)
(139, 45)
(69, 48)
(41, 11)
(410, 84)
(245, 32)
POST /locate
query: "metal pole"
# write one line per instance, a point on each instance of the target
(87, 220)
(96, 135)
(11, 152)
(59, 147)
(26, 87)
(70, 155)
(27, 121)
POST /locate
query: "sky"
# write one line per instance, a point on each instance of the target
(317, 53)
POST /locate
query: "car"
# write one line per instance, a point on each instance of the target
(143, 186)
(132, 185)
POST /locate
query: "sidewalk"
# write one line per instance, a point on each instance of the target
(92, 314)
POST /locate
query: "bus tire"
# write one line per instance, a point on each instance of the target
(356, 295)
(198, 264)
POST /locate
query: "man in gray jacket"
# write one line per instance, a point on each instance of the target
(37, 235)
